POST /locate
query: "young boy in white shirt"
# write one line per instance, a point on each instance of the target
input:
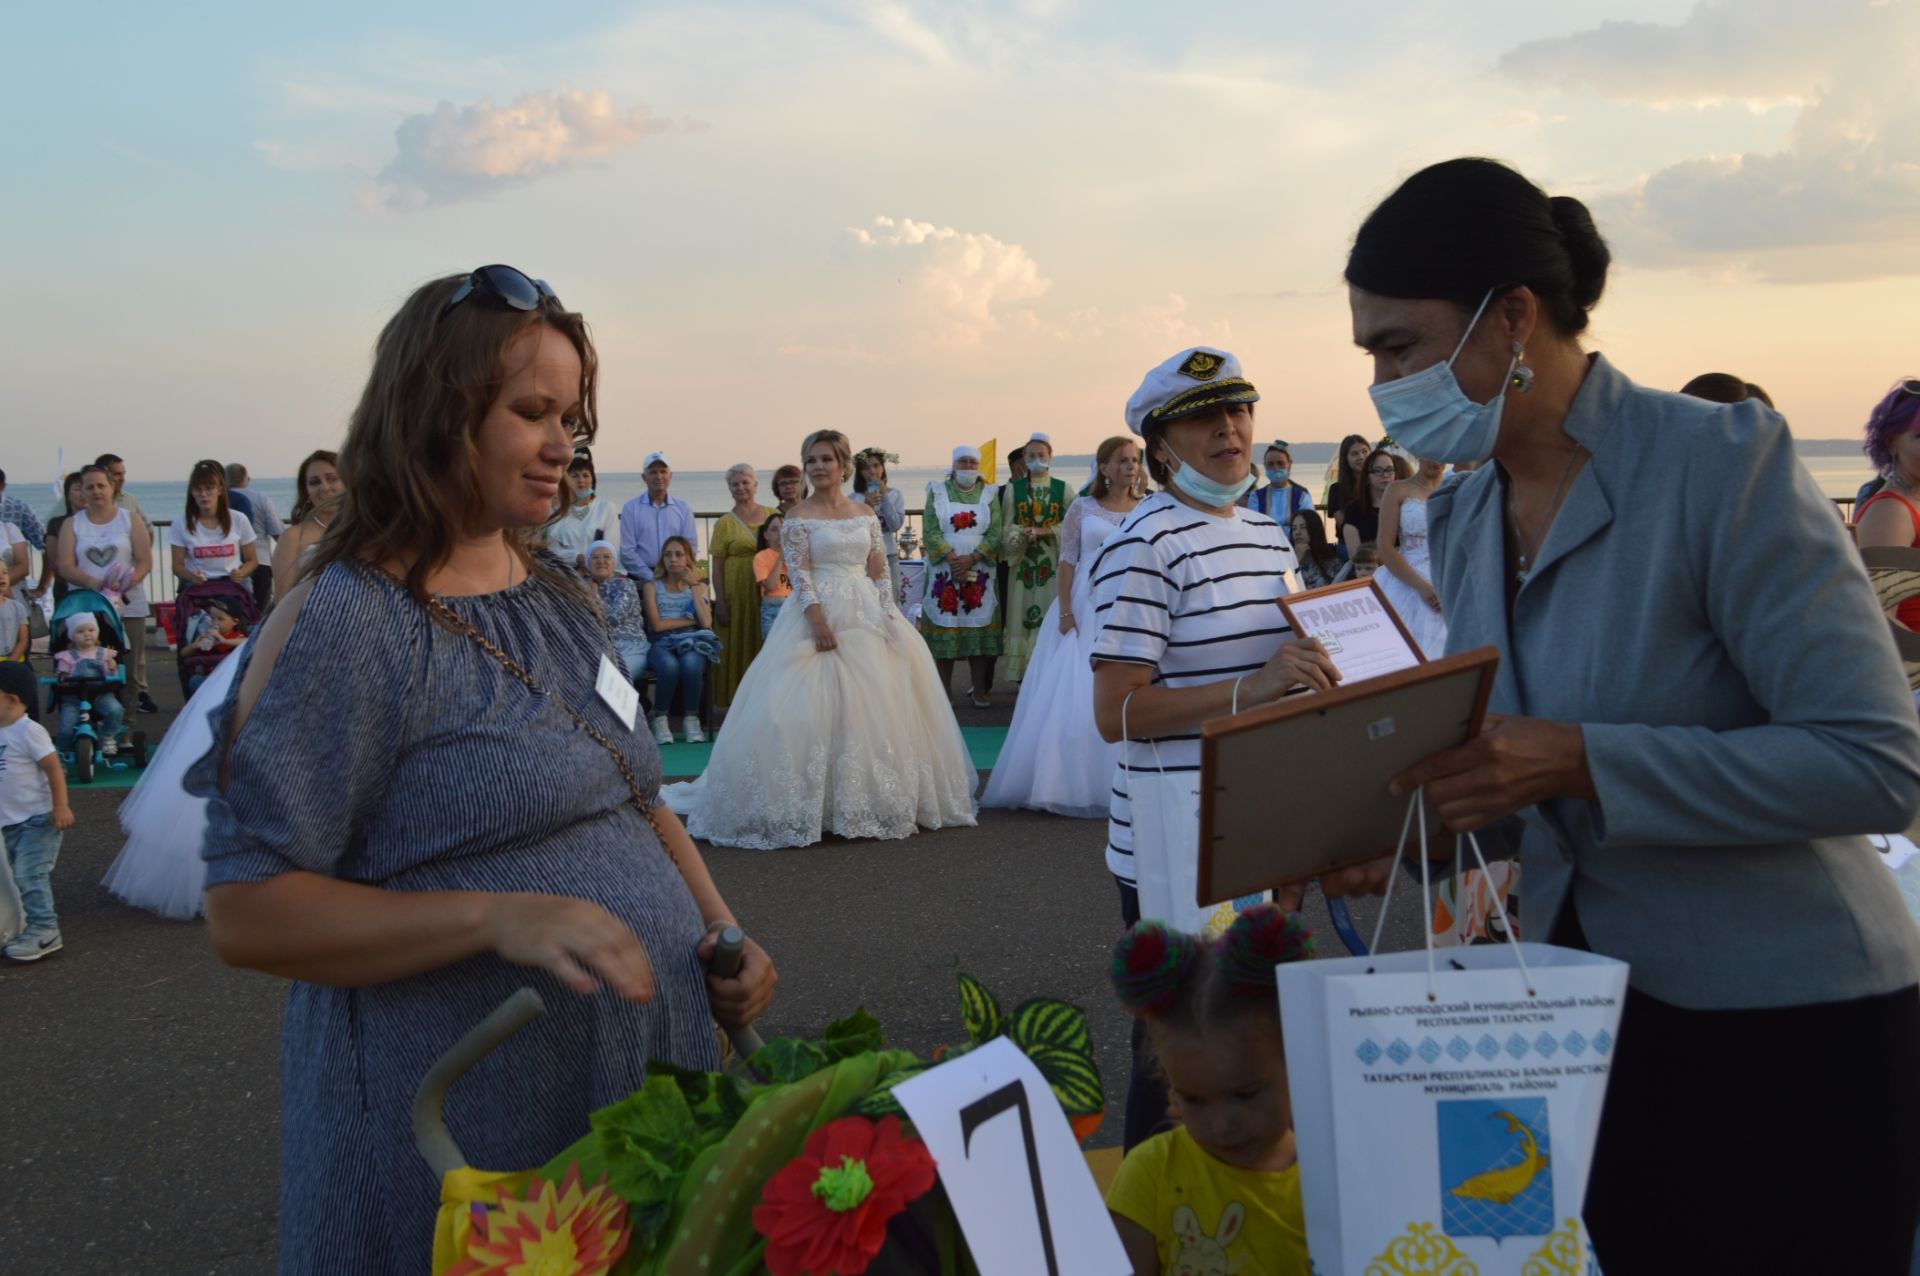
(33, 811)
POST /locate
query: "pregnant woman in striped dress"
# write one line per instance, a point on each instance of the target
(417, 801)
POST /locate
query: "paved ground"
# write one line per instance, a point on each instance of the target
(140, 1129)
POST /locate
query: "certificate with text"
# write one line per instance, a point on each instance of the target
(1358, 626)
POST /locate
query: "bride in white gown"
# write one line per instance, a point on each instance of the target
(1054, 759)
(840, 725)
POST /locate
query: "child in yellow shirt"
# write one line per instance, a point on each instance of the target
(1221, 1191)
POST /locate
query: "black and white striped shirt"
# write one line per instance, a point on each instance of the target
(1191, 596)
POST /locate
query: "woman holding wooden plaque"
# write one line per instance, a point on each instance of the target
(1687, 761)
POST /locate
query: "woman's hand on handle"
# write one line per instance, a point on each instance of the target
(1514, 763)
(742, 999)
(576, 941)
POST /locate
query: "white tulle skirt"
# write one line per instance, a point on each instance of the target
(1054, 759)
(160, 869)
(1428, 627)
(859, 741)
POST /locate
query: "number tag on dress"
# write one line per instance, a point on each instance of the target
(1019, 1185)
(619, 694)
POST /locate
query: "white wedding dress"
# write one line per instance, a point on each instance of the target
(1054, 759)
(859, 741)
(160, 869)
(1428, 627)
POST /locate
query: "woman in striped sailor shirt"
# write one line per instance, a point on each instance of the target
(1184, 594)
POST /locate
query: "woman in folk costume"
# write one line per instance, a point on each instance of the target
(1031, 510)
(960, 611)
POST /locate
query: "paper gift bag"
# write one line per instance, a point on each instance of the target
(1165, 808)
(1445, 1105)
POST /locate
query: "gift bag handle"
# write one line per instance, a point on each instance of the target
(1417, 809)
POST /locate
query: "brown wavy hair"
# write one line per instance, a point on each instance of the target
(302, 505)
(409, 464)
(1099, 486)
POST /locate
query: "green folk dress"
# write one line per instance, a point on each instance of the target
(1031, 514)
(960, 618)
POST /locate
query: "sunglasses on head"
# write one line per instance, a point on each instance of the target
(1908, 385)
(516, 288)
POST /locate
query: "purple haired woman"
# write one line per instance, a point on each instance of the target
(1891, 516)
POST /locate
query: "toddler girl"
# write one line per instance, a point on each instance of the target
(217, 636)
(85, 658)
(1220, 1191)
(770, 569)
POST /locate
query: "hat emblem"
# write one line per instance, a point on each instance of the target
(1201, 366)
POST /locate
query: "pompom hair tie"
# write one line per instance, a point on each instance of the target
(1150, 963)
(1259, 940)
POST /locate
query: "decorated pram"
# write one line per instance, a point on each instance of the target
(800, 1159)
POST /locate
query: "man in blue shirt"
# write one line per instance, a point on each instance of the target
(20, 514)
(648, 520)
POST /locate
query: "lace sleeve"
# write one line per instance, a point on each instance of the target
(877, 561)
(1070, 531)
(797, 546)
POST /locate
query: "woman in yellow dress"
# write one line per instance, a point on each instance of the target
(736, 596)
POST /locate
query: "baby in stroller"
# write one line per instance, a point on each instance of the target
(84, 671)
(219, 635)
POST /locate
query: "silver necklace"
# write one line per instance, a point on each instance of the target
(1526, 553)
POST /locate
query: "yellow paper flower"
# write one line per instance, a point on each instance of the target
(563, 1231)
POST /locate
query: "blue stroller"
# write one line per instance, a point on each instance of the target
(84, 752)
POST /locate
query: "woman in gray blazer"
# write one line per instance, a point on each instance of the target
(1686, 759)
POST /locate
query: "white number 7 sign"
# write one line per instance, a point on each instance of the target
(1011, 1167)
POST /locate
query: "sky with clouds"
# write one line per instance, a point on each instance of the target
(921, 223)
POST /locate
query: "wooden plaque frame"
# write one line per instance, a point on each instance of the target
(1330, 756)
(1348, 586)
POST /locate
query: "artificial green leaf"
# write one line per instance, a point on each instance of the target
(718, 1100)
(648, 1141)
(858, 1033)
(1074, 1079)
(785, 1060)
(880, 1101)
(1045, 1021)
(979, 1011)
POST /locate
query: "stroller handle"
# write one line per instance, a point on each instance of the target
(430, 1133)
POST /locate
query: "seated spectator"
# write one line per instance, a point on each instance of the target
(213, 540)
(626, 617)
(1319, 565)
(770, 573)
(16, 560)
(590, 518)
(680, 620)
(1366, 560)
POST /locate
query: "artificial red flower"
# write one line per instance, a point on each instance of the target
(826, 1212)
(963, 520)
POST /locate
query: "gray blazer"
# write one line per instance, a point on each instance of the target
(1698, 608)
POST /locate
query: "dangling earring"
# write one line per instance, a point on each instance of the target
(1522, 374)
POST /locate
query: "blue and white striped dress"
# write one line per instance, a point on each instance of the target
(388, 751)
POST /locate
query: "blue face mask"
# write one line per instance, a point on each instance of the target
(1278, 475)
(1430, 416)
(1205, 491)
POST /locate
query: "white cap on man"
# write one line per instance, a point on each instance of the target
(653, 459)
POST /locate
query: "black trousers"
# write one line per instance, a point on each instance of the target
(1756, 1141)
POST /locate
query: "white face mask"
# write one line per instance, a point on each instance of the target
(1210, 494)
(1039, 466)
(1430, 416)
(964, 479)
